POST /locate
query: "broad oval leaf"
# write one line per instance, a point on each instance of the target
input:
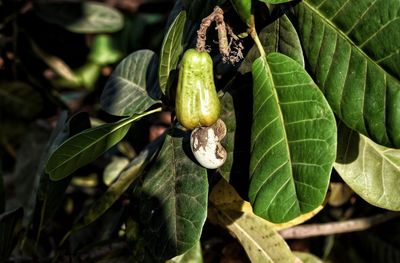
(87, 146)
(371, 170)
(8, 225)
(82, 17)
(258, 237)
(279, 36)
(19, 99)
(173, 205)
(293, 140)
(353, 52)
(170, 51)
(129, 89)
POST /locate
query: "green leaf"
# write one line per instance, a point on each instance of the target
(258, 237)
(293, 140)
(128, 91)
(371, 170)
(353, 52)
(8, 229)
(244, 9)
(19, 99)
(173, 205)
(279, 36)
(87, 146)
(170, 51)
(84, 17)
(114, 169)
(104, 50)
(193, 255)
(228, 116)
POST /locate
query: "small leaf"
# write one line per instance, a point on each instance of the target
(113, 169)
(279, 36)
(87, 146)
(83, 17)
(8, 225)
(228, 116)
(19, 99)
(173, 205)
(293, 140)
(56, 64)
(104, 50)
(258, 237)
(170, 51)
(371, 170)
(128, 91)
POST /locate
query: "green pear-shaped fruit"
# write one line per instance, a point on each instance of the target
(196, 103)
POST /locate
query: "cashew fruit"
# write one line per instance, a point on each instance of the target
(196, 102)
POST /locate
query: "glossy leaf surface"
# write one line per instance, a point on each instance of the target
(353, 52)
(371, 170)
(173, 204)
(293, 140)
(87, 146)
(131, 88)
(171, 50)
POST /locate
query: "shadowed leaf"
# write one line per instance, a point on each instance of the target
(87, 146)
(170, 51)
(130, 89)
(173, 204)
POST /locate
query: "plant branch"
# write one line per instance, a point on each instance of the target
(359, 224)
(254, 35)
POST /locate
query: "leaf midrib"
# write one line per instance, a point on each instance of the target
(91, 144)
(342, 34)
(125, 122)
(283, 127)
